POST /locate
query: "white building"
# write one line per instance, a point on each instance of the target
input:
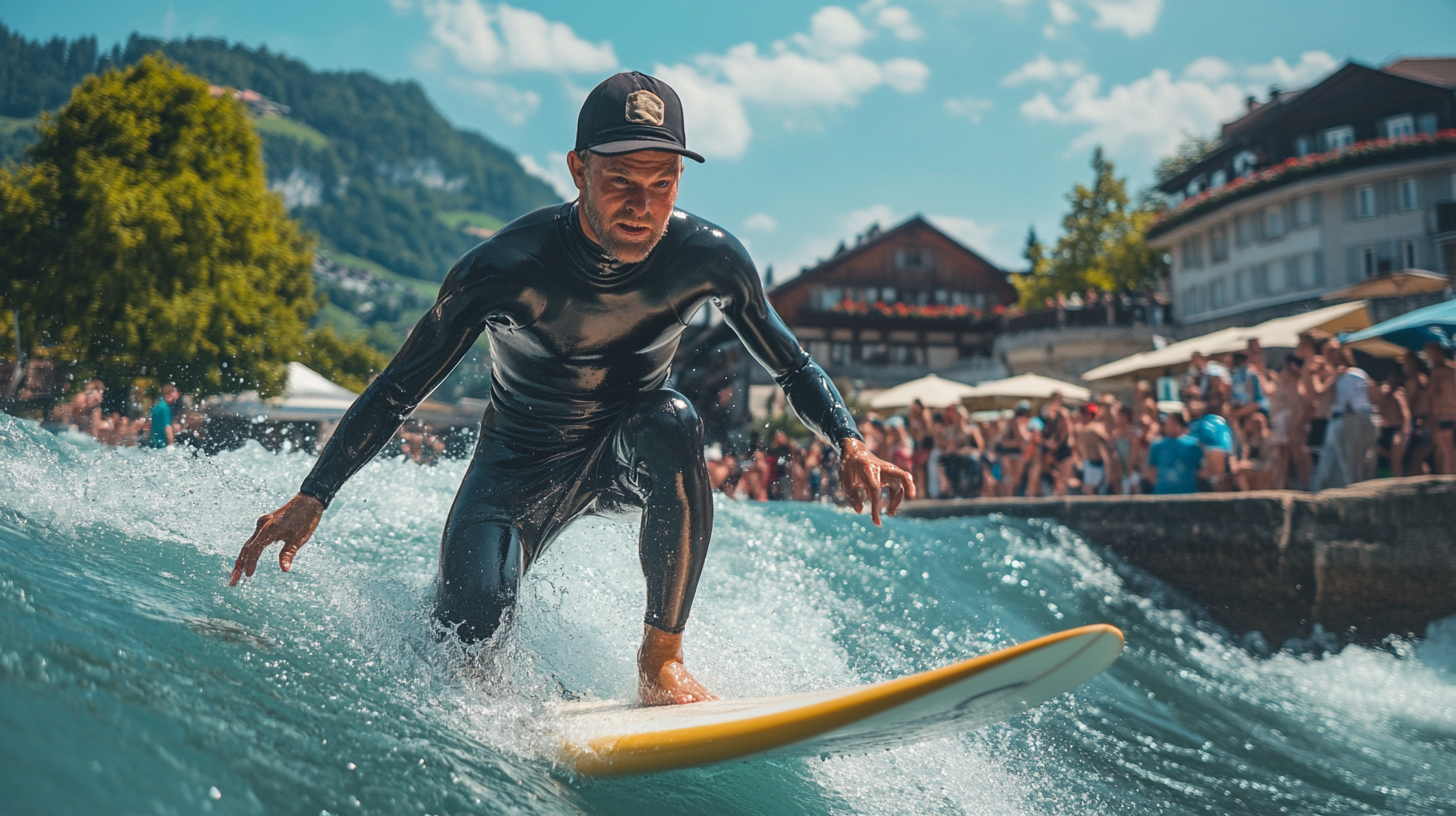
(1314, 190)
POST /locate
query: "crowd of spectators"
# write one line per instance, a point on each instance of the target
(1314, 421)
(171, 419)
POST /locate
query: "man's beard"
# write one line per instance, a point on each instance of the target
(624, 251)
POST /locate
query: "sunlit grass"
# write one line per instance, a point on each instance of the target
(291, 129)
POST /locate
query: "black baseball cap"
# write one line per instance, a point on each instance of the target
(632, 112)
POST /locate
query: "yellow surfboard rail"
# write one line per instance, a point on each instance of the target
(717, 742)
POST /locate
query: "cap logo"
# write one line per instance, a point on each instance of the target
(645, 108)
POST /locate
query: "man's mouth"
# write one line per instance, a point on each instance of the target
(634, 230)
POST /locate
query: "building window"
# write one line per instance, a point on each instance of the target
(1245, 162)
(1301, 146)
(887, 294)
(829, 297)
(1242, 290)
(1399, 127)
(1367, 261)
(1273, 222)
(1218, 179)
(874, 353)
(1195, 186)
(839, 353)
(914, 258)
(1408, 254)
(1277, 276)
(905, 354)
(1218, 248)
(1339, 138)
(1217, 294)
(1193, 253)
(1303, 210)
(1244, 230)
(1259, 280)
(1309, 271)
(1365, 201)
(1408, 196)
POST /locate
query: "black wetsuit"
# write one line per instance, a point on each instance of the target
(580, 418)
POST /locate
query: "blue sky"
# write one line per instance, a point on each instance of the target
(820, 119)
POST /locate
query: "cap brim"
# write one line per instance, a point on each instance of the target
(626, 146)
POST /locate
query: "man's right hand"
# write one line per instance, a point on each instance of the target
(292, 524)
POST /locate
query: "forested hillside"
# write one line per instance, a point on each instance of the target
(369, 165)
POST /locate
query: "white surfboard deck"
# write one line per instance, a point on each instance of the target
(613, 738)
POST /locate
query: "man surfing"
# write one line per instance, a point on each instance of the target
(585, 304)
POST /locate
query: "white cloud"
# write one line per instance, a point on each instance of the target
(553, 173)
(1207, 69)
(833, 30)
(906, 75)
(1043, 69)
(899, 22)
(1151, 114)
(512, 104)
(760, 222)
(1312, 65)
(505, 38)
(968, 231)
(713, 114)
(1063, 13)
(1133, 17)
(819, 70)
(968, 106)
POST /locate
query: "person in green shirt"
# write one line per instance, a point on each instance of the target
(163, 432)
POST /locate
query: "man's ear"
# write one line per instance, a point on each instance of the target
(577, 167)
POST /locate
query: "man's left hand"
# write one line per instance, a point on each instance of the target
(866, 477)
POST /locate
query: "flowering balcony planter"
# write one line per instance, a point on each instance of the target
(1361, 154)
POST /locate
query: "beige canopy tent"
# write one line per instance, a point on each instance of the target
(1404, 283)
(1281, 332)
(308, 396)
(998, 394)
(933, 391)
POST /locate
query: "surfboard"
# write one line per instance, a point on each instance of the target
(613, 738)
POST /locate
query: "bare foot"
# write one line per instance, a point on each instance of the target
(661, 677)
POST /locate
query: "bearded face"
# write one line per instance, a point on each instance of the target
(627, 200)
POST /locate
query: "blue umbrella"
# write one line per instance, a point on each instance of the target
(1414, 329)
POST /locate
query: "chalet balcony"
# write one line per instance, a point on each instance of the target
(889, 317)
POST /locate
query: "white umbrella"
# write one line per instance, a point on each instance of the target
(1028, 386)
(931, 390)
(1282, 332)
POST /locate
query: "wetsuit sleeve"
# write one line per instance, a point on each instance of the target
(811, 394)
(434, 347)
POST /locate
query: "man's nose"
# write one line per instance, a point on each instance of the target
(637, 202)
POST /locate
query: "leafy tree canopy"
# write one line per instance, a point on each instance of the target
(1102, 245)
(142, 240)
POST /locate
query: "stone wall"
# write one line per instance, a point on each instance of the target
(1365, 561)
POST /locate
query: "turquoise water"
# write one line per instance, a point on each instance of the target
(133, 680)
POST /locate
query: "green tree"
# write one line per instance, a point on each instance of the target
(142, 241)
(1185, 155)
(349, 363)
(1102, 245)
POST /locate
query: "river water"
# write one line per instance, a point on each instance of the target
(133, 680)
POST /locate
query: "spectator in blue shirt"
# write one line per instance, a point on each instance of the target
(1176, 460)
(1217, 438)
(164, 433)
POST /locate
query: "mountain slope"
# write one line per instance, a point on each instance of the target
(369, 165)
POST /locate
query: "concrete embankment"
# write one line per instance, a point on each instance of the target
(1366, 561)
